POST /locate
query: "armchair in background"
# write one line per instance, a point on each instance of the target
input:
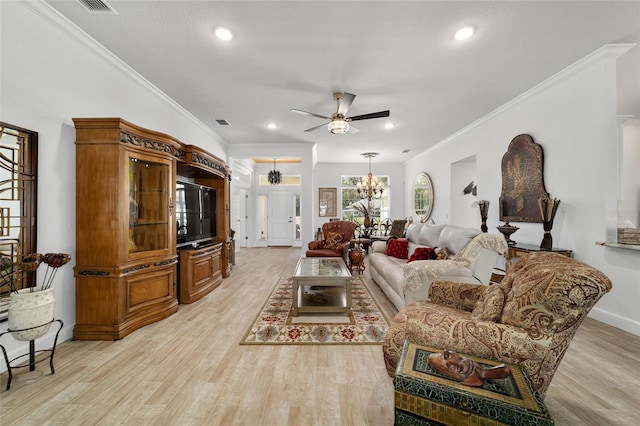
(337, 236)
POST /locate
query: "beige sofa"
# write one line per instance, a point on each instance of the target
(472, 257)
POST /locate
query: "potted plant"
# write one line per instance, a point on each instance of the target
(32, 307)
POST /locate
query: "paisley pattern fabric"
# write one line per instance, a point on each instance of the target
(420, 272)
(546, 298)
(490, 307)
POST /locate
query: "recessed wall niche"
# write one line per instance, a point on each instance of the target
(464, 210)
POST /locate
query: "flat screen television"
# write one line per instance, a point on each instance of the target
(195, 213)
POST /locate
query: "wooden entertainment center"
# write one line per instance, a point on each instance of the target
(126, 257)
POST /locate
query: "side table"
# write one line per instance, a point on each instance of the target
(357, 253)
(356, 260)
(518, 250)
(14, 363)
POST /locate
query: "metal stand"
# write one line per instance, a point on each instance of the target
(31, 354)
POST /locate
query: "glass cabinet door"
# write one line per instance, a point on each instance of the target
(150, 201)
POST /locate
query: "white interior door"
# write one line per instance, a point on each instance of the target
(280, 218)
(243, 220)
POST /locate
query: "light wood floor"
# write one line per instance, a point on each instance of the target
(190, 370)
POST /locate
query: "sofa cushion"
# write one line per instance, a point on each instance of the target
(429, 235)
(413, 232)
(422, 253)
(398, 247)
(379, 247)
(455, 238)
(334, 239)
(489, 308)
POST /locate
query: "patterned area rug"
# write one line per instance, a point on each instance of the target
(275, 325)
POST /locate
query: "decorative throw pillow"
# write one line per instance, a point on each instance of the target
(398, 247)
(333, 240)
(422, 253)
(442, 253)
(489, 308)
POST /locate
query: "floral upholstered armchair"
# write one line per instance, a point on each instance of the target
(528, 319)
(337, 235)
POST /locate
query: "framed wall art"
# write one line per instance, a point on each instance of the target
(522, 181)
(328, 202)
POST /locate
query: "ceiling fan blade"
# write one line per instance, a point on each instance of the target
(379, 114)
(316, 127)
(346, 99)
(299, 111)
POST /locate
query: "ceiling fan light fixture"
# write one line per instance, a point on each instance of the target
(338, 127)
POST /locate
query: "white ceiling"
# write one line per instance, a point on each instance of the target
(396, 55)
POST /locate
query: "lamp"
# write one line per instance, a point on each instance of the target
(370, 186)
(274, 175)
(338, 126)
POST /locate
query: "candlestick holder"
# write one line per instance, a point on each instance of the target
(548, 209)
(483, 205)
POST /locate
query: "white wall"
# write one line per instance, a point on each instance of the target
(573, 116)
(50, 73)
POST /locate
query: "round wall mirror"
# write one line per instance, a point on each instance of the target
(422, 197)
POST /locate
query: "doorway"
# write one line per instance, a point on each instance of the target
(280, 218)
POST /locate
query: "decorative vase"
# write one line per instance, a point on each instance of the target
(507, 230)
(31, 309)
(367, 222)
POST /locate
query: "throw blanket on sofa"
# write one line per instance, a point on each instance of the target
(424, 271)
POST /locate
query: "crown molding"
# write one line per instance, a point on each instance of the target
(71, 30)
(606, 52)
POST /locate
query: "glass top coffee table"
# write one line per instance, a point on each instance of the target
(321, 272)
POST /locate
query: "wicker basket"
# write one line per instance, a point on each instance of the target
(629, 236)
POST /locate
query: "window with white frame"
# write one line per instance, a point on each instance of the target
(353, 203)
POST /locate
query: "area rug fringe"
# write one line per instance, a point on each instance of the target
(274, 326)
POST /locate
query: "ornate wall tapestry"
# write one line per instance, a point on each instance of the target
(522, 181)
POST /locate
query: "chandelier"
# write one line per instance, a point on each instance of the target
(370, 186)
(338, 126)
(275, 177)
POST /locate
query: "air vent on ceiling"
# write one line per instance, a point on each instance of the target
(222, 122)
(98, 6)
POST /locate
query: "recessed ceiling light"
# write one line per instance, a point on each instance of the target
(389, 126)
(464, 32)
(223, 33)
(272, 126)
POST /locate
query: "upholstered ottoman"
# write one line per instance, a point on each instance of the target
(425, 397)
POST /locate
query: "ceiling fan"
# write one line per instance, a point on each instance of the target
(339, 122)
